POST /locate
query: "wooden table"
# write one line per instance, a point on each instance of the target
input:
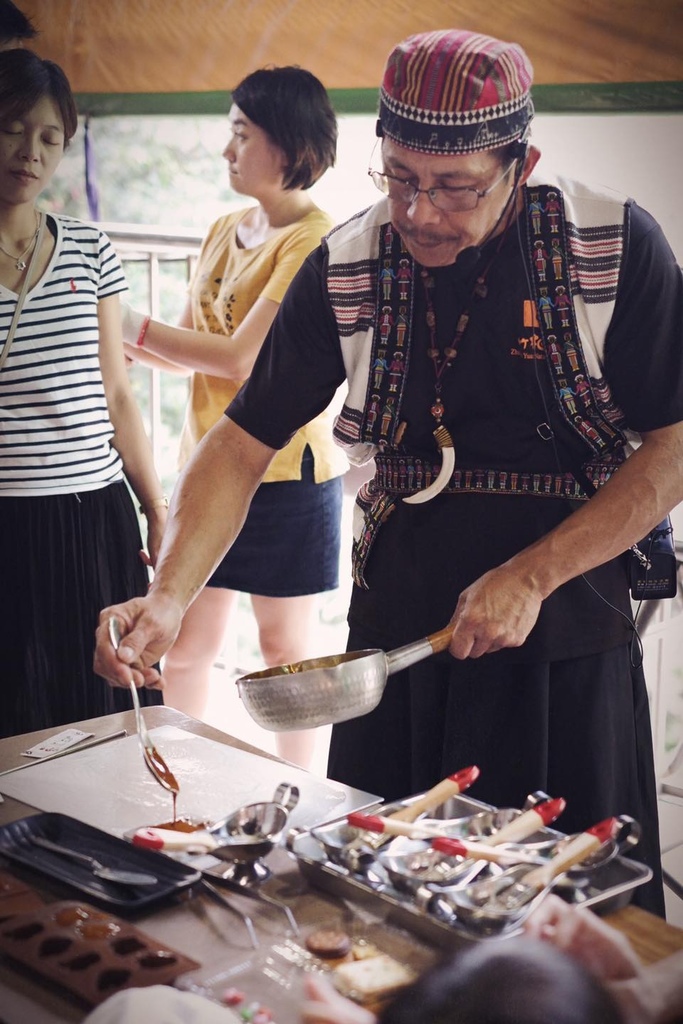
(205, 931)
(651, 937)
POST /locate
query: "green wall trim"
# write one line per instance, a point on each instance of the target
(609, 98)
(606, 98)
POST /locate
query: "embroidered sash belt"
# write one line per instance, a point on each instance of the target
(399, 474)
(405, 474)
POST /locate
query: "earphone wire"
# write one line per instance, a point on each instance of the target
(636, 640)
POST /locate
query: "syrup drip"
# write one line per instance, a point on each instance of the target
(165, 776)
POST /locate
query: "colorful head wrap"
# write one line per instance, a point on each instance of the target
(455, 92)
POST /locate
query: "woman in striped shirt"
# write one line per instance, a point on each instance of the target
(69, 426)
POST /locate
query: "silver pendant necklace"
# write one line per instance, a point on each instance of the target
(20, 261)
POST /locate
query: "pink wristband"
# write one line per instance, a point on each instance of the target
(143, 332)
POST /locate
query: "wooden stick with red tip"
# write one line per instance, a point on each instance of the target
(516, 890)
(439, 794)
(516, 830)
(573, 853)
(525, 825)
(482, 851)
(528, 822)
(392, 827)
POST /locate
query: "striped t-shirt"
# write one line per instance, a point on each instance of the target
(55, 431)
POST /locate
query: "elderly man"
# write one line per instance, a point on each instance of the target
(503, 500)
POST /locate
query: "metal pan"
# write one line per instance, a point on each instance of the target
(323, 691)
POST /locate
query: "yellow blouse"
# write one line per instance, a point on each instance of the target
(227, 281)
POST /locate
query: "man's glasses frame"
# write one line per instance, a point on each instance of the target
(458, 199)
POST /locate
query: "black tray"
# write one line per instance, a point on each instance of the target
(15, 844)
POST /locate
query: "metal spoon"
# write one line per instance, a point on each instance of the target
(108, 874)
(151, 755)
(515, 891)
(498, 903)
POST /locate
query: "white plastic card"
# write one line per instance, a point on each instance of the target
(55, 744)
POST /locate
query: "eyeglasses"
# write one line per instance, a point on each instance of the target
(450, 200)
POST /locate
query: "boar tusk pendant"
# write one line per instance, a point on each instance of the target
(447, 449)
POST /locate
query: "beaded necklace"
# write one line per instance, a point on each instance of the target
(443, 361)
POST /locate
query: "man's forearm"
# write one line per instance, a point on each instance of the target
(209, 505)
(501, 608)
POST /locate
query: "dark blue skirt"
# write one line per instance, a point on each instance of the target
(289, 544)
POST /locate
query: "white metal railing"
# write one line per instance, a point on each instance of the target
(153, 245)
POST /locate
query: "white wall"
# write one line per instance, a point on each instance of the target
(640, 155)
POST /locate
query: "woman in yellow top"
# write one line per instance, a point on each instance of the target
(284, 135)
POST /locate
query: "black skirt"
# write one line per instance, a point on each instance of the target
(64, 557)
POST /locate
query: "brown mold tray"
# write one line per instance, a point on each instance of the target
(16, 897)
(88, 951)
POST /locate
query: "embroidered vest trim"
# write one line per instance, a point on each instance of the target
(370, 282)
(547, 256)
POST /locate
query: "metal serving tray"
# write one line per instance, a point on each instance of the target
(605, 888)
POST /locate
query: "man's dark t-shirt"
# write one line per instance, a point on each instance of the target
(499, 405)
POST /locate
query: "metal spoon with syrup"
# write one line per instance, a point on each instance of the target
(151, 755)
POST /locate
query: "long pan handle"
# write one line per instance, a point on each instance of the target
(440, 640)
(403, 657)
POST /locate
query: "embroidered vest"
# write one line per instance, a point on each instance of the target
(574, 237)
